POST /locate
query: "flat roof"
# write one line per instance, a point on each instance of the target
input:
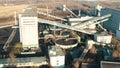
(103, 34)
(30, 11)
(108, 64)
(24, 60)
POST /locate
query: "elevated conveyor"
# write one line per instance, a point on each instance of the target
(10, 39)
(51, 16)
(95, 20)
(61, 25)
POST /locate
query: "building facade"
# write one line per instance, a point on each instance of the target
(113, 24)
(28, 27)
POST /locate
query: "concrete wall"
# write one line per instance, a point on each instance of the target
(86, 65)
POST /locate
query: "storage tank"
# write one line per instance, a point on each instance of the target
(66, 43)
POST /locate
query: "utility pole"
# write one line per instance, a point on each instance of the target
(15, 18)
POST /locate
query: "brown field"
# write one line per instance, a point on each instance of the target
(7, 13)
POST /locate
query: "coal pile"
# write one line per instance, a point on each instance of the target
(66, 41)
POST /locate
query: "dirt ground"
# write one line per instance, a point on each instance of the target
(7, 11)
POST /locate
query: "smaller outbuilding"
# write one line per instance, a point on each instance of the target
(103, 38)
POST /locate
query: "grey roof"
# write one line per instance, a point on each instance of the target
(56, 49)
(30, 11)
(24, 60)
(107, 64)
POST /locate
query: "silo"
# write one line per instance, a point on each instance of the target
(28, 27)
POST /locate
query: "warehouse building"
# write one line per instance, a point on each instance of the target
(113, 24)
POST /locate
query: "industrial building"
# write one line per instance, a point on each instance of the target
(22, 62)
(113, 24)
(103, 38)
(28, 28)
(57, 57)
(60, 49)
(107, 64)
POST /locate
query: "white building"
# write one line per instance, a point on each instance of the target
(57, 58)
(103, 38)
(28, 27)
